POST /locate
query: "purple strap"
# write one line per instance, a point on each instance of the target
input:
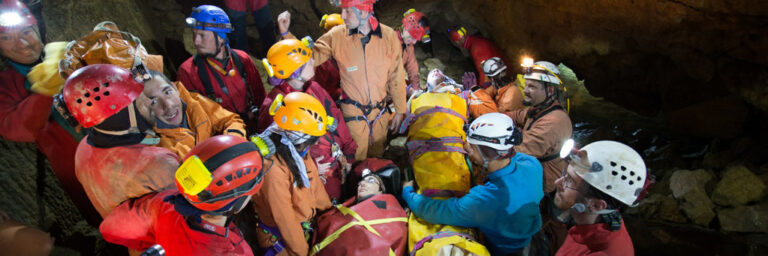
(277, 247)
(419, 147)
(437, 235)
(437, 109)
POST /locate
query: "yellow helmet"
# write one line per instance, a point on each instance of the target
(285, 57)
(330, 20)
(298, 111)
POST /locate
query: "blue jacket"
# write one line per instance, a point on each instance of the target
(505, 208)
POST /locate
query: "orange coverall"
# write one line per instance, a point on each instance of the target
(369, 75)
(282, 204)
(205, 119)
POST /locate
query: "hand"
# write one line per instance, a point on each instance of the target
(469, 80)
(408, 183)
(284, 21)
(394, 125)
(322, 169)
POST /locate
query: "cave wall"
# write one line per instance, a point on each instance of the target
(700, 64)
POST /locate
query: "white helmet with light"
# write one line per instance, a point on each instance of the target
(494, 130)
(493, 66)
(543, 71)
(613, 168)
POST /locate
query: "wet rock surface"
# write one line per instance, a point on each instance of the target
(738, 186)
(688, 187)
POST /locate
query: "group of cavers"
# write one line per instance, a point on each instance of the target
(213, 165)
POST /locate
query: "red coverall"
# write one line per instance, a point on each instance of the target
(482, 49)
(327, 75)
(236, 100)
(25, 117)
(324, 146)
(597, 239)
(113, 175)
(145, 221)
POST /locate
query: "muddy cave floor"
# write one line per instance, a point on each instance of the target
(593, 120)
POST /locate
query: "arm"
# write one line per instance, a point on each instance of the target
(21, 120)
(276, 189)
(316, 185)
(480, 103)
(22, 113)
(411, 66)
(519, 116)
(466, 211)
(395, 80)
(131, 224)
(322, 50)
(539, 138)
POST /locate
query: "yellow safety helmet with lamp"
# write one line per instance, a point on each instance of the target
(300, 112)
(287, 56)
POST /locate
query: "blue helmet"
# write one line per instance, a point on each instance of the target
(211, 18)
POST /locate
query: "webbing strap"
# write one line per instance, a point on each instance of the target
(437, 109)
(419, 147)
(359, 222)
(438, 235)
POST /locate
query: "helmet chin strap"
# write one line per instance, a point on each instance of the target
(134, 124)
(486, 161)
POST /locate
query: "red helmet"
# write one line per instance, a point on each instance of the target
(14, 14)
(457, 33)
(96, 92)
(220, 170)
(363, 5)
(416, 25)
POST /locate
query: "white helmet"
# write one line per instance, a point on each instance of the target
(495, 130)
(544, 71)
(615, 169)
(493, 66)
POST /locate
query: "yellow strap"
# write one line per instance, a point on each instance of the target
(347, 211)
(391, 252)
(335, 235)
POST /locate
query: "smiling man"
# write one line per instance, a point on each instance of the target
(183, 119)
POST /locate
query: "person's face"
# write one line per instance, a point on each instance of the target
(535, 92)
(162, 100)
(368, 186)
(205, 41)
(349, 17)
(568, 188)
(474, 153)
(21, 45)
(407, 38)
(244, 204)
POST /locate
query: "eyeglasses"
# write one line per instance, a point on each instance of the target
(370, 180)
(566, 180)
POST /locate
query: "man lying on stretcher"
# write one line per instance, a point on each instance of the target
(372, 222)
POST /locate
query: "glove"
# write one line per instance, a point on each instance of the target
(45, 76)
(469, 80)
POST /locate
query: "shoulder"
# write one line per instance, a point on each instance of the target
(244, 56)
(523, 159)
(188, 64)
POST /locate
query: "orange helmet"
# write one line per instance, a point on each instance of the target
(219, 171)
(285, 57)
(298, 111)
(331, 20)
